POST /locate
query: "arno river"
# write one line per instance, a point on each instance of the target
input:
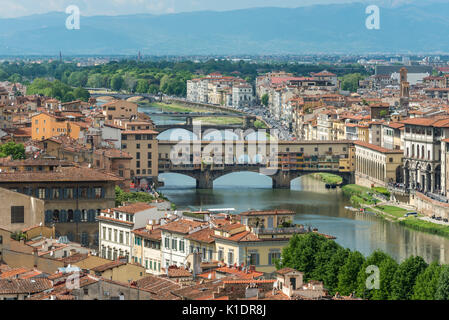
(314, 205)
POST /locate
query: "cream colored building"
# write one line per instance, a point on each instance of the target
(147, 247)
(376, 165)
(116, 226)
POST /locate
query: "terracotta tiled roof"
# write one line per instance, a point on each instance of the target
(239, 273)
(30, 274)
(177, 272)
(160, 287)
(285, 270)
(240, 237)
(229, 226)
(376, 148)
(249, 281)
(62, 174)
(12, 273)
(133, 208)
(441, 121)
(24, 286)
(154, 234)
(204, 235)
(75, 258)
(109, 265)
(396, 125)
(183, 226)
(201, 291)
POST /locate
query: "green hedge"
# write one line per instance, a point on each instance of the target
(382, 190)
(425, 226)
(359, 195)
(193, 215)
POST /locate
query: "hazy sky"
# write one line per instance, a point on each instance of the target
(17, 8)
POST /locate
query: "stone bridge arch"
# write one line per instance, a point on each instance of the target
(280, 179)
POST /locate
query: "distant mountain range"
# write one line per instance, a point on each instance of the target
(314, 29)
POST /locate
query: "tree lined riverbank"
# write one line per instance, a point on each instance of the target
(347, 272)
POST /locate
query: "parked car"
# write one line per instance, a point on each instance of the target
(408, 214)
(445, 220)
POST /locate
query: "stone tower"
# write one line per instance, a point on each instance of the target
(404, 89)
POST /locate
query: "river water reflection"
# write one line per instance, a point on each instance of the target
(315, 206)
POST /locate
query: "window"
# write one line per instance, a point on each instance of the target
(149, 146)
(254, 258)
(167, 243)
(115, 235)
(127, 238)
(109, 234)
(123, 146)
(55, 193)
(98, 192)
(181, 245)
(220, 254)
(137, 164)
(104, 233)
(41, 193)
(137, 155)
(17, 214)
(138, 137)
(138, 146)
(69, 192)
(231, 257)
(83, 192)
(121, 237)
(124, 137)
(149, 164)
(273, 256)
(174, 244)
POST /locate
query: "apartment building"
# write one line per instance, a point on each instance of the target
(119, 109)
(115, 229)
(46, 125)
(142, 146)
(174, 245)
(242, 95)
(72, 197)
(147, 247)
(222, 90)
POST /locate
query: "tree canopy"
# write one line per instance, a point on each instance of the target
(16, 151)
